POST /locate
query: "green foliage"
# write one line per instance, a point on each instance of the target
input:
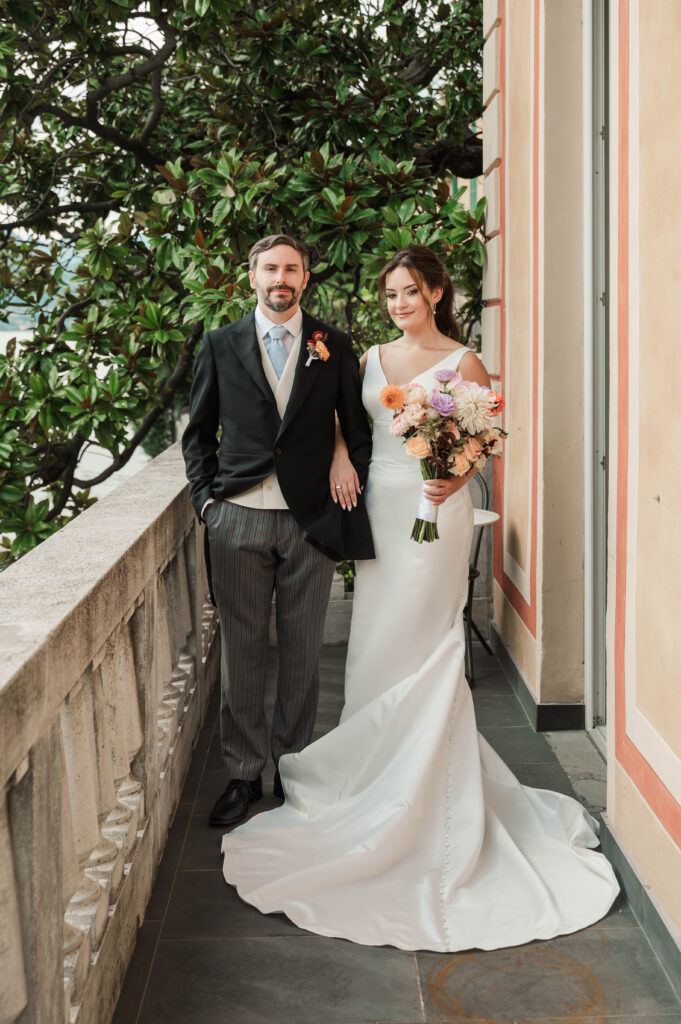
(148, 145)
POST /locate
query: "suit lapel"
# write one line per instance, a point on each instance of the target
(305, 376)
(245, 344)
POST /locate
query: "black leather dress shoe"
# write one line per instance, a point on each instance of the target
(232, 805)
(278, 789)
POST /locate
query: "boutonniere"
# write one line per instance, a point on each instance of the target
(316, 349)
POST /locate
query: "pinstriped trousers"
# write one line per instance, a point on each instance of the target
(254, 552)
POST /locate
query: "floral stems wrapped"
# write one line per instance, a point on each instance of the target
(425, 525)
(449, 429)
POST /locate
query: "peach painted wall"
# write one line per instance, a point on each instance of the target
(538, 596)
(644, 795)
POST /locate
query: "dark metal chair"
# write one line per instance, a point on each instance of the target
(482, 517)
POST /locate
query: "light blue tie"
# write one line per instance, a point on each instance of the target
(276, 349)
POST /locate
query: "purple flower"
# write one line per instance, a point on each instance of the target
(444, 403)
(444, 375)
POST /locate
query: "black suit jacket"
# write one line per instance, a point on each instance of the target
(231, 390)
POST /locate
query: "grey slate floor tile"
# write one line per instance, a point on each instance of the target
(518, 745)
(599, 972)
(160, 894)
(308, 980)
(136, 978)
(205, 907)
(495, 711)
(544, 776)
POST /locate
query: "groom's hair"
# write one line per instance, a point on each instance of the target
(269, 243)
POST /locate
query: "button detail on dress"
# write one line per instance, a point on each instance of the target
(277, 451)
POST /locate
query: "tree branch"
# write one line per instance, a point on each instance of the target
(463, 158)
(72, 451)
(184, 363)
(58, 211)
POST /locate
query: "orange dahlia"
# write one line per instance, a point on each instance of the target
(392, 397)
(323, 350)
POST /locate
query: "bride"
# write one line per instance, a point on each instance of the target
(402, 826)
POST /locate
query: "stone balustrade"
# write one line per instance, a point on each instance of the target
(109, 651)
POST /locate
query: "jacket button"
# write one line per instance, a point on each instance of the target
(277, 451)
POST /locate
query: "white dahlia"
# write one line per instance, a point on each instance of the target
(472, 408)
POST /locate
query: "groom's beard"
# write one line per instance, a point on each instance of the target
(281, 304)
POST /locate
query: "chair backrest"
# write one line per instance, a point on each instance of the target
(484, 490)
(484, 503)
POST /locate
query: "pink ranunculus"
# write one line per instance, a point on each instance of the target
(413, 414)
(399, 426)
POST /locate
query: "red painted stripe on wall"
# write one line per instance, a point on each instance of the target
(526, 611)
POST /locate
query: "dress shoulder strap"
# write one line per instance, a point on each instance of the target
(458, 356)
(372, 360)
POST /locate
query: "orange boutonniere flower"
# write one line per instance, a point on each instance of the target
(316, 349)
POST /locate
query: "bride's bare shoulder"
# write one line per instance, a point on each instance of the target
(471, 367)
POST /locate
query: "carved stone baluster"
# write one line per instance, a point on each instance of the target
(35, 821)
(142, 626)
(98, 856)
(173, 695)
(85, 899)
(116, 821)
(122, 712)
(13, 992)
(193, 554)
(184, 600)
(171, 586)
(167, 714)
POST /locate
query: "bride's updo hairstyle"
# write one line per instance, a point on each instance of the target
(425, 268)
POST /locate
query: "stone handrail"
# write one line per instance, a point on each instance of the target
(109, 651)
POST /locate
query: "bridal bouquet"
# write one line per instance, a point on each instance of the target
(449, 429)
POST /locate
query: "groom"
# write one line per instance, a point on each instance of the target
(263, 492)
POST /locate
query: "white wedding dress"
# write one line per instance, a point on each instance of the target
(402, 826)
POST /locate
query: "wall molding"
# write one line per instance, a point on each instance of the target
(661, 934)
(543, 717)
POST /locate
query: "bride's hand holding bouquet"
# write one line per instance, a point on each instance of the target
(450, 430)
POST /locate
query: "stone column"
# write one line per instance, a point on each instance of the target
(117, 822)
(13, 993)
(122, 708)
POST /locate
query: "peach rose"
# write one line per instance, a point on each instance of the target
(418, 447)
(472, 449)
(461, 465)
